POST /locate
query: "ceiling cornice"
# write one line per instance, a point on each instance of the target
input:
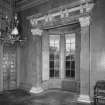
(69, 5)
(25, 4)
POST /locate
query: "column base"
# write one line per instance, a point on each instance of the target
(36, 90)
(84, 99)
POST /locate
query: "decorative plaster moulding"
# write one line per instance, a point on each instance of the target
(84, 21)
(36, 31)
(83, 10)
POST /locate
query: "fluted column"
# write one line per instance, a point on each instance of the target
(38, 38)
(85, 60)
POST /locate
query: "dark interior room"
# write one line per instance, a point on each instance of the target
(52, 52)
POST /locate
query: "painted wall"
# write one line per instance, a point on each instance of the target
(97, 42)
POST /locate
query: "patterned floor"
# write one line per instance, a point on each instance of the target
(49, 97)
(55, 97)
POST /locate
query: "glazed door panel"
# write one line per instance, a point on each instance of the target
(9, 68)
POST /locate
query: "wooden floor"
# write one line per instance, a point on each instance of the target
(49, 97)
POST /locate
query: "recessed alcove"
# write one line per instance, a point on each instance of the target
(72, 84)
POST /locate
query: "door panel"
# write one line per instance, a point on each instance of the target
(9, 68)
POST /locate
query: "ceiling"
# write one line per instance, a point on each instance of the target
(20, 4)
(24, 4)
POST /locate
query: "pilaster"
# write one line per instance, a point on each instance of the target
(36, 88)
(62, 58)
(18, 66)
(1, 71)
(85, 60)
(45, 56)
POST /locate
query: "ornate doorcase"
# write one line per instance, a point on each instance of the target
(64, 15)
(61, 16)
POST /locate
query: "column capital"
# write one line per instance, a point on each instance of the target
(84, 21)
(36, 31)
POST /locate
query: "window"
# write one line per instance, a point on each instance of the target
(69, 55)
(54, 55)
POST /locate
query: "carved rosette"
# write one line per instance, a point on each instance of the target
(84, 21)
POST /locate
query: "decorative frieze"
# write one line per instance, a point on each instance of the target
(64, 15)
(52, 17)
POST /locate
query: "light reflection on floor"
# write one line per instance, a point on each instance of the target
(49, 97)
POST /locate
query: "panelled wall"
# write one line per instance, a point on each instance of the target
(9, 54)
(10, 66)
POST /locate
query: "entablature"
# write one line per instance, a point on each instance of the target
(62, 15)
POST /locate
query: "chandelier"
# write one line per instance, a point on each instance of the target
(9, 32)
